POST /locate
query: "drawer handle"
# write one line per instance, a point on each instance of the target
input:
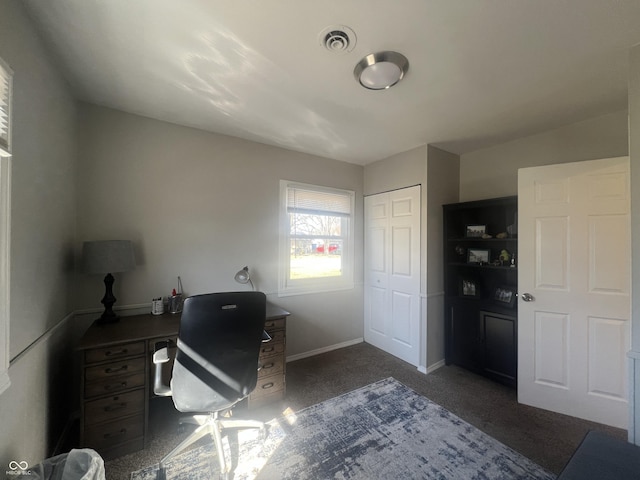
(114, 370)
(267, 385)
(270, 324)
(115, 385)
(267, 350)
(268, 365)
(110, 353)
(118, 406)
(115, 434)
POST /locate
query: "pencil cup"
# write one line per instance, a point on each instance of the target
(175, 303)
(157, 306)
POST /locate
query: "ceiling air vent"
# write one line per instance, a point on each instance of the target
(338, 39)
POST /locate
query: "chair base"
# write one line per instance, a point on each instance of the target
(213, 425)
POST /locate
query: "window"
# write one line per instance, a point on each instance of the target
(316, 238)
(6, 76)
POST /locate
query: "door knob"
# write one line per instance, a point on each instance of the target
(527, 297)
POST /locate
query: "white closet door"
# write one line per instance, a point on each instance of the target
(392, 272)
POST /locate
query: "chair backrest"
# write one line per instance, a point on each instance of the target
(218, 347)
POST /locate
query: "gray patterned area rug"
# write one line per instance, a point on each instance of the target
(382, 431)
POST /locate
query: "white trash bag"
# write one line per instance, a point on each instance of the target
(78, 464)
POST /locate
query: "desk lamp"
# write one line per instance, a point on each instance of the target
(243, 277)
(108, 256)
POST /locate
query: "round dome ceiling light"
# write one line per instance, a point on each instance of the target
(378, 71)
(338, 39)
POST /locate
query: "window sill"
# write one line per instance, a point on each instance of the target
(289, 292)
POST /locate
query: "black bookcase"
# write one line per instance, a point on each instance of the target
(481, 279)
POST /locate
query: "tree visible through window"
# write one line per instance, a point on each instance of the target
(316, 241)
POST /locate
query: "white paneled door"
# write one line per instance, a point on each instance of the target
(574, 281)
(392, 272)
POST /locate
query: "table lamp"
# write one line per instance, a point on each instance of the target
(243, 277)
(108, 256)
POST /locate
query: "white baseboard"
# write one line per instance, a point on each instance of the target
(42, 339)
(435, 366)
(318, 351)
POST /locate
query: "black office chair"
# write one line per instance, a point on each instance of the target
(216, 365)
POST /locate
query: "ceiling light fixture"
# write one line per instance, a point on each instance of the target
(381, 70)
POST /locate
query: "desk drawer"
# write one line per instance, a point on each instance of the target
(114, 352)
(113, 369)
(268, 389)
(113, 385)
(114, 406)
(271, 366)
(105, 435)
(268, 385)
(271, 348)
(271, 325)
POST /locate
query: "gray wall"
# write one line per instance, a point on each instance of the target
(398, 171)
(36, 406)
(443, 173)
(493, 172)
(202, 206)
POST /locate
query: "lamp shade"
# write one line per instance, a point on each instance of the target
(243, 277)
(108, 256)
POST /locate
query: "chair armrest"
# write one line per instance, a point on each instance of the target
(160, 357)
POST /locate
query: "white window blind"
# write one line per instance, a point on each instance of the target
(303, 200)
(6, 78)
(316, 238)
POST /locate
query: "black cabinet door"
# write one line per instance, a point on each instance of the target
(499, 346)
(465, 336)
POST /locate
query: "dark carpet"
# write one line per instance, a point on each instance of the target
(546, 438)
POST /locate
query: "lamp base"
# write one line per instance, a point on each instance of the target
(108, 316)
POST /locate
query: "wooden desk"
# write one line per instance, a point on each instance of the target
(117, 371)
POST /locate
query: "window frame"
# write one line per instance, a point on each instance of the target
(5, 228)
(6, 74)
(288, 286)
(5, 236)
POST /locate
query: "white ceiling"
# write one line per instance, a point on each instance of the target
(481, 71)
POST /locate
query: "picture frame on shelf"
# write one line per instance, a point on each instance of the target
(469, 288)
(475, 231)
(478, 256)
(505, 295)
